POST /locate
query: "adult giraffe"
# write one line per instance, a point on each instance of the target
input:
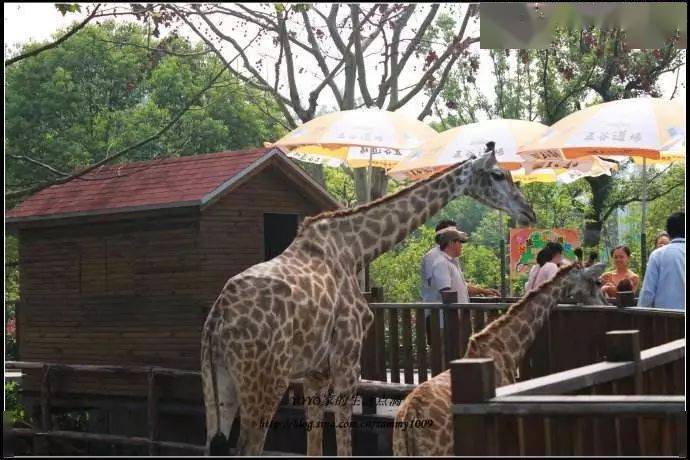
(506, 340)
(302, 315)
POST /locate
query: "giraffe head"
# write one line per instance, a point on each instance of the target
(582, 285)
(492, 186)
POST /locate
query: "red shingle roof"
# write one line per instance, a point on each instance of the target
(156, 183)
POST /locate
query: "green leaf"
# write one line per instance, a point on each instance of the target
(65, 8)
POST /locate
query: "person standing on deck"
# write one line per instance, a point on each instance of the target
(664, 280)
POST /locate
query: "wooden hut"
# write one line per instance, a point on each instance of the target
(121, 266)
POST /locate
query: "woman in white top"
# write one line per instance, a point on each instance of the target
(548, 260)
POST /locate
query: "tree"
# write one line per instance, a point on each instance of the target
(30, 51)
(112, 86)
(397, 271)
(349, 49)
(602, 62)
(581, 67)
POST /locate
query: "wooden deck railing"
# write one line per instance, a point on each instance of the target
(631, 404)
(572, 337)
(51, 372)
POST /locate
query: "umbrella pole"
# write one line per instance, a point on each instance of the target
(643, 234)
(502, 253)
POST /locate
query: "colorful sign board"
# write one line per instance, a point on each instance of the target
(525, 243)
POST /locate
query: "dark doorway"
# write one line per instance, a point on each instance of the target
(279, 231)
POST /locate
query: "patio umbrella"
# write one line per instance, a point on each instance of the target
(463, 142)
(642, 127)
(563, 172)
(674, 152)
(356, 137)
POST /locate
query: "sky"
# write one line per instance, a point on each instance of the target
(38, 21)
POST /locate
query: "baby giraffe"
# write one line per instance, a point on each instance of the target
(506, 340)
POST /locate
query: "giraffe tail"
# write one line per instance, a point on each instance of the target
(219, 445)
(403, 437)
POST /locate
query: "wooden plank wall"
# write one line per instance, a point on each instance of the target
(232, 234)
(137, 292)
(575, 336)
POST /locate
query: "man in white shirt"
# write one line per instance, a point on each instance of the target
(446, 274)
(428, 261)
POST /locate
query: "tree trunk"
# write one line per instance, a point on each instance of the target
(314, 170)
(379, 183)
(601, 187)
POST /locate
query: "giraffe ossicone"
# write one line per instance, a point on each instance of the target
(505, 340)
(302, 315)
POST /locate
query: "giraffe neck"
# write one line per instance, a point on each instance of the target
(365, 232)
(518, 327)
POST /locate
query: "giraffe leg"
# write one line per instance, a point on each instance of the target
(259, 401)
(315, 396)
(345, 387)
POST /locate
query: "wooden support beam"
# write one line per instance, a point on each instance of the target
(152, 419)
(625, 346)
(472, 381)
(46, 419)
(451, 345)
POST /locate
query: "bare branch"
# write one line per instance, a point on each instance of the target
(38, 163)
(285, 43)
(281, 100)
(250, 17)
(624, 202)
(161, 50)
(381, 98)
(395, 69)
(359, 57)
(333, 29)
(675, 86)
(456, 46)
(320, 60)
(440, 116)
(420, 84)
(420, 33)
(439, 86)
(57, 42)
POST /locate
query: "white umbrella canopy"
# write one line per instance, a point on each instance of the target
(463, 142)
(647, 128)
(673, 152)
(641, 127)
(563, 172)
(357, 137)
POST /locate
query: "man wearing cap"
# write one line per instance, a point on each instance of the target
(428, 262)
(428, 293)
(446, 274)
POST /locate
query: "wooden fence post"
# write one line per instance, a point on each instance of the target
(472, 381)
(451, 345)
(46, 421)
(624, 346)
(377, 294)
(152, 406)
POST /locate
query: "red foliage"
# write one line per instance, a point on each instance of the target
(11, 327)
